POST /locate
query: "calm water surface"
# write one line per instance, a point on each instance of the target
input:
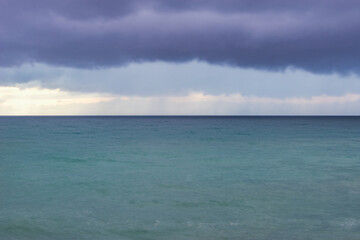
(256, 178)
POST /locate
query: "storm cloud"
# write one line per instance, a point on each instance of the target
(318, 36)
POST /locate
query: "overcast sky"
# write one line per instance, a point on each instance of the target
(180, 57)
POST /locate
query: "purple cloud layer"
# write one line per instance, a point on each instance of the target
(319, 36)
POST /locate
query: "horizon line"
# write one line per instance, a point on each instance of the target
(184, 115)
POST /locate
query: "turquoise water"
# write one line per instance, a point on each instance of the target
(180, 178)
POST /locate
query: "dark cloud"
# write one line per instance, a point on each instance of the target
(320, 36)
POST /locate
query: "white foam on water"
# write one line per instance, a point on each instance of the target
(157, 222)
(234, 223)
(349, 223)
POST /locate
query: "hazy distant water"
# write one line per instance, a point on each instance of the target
(179, 178)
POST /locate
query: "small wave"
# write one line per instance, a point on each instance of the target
(349, 223)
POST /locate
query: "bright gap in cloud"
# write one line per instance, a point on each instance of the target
(38, 101)
(21, 100)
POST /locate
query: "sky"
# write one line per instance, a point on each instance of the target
(170, 57)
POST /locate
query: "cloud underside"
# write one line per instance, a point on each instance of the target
(41, 101)
(319, 36)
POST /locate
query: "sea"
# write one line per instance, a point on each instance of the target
(180, 177)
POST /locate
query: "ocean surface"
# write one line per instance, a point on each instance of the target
(249, 178)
